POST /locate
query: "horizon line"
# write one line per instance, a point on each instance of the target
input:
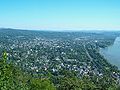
(61, 29)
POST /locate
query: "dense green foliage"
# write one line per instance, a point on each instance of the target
(85, 83)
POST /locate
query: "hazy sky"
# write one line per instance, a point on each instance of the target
(60, 14)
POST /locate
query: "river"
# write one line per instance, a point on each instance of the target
(112, 53)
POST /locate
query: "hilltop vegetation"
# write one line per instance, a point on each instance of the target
(12, 78)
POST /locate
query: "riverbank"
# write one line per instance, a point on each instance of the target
(112, 53)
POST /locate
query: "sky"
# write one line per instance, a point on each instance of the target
(60, 14)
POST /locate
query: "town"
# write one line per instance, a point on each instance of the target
(40, 51)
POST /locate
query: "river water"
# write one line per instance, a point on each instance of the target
(112, 53)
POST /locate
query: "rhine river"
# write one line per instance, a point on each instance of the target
(112, 53)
